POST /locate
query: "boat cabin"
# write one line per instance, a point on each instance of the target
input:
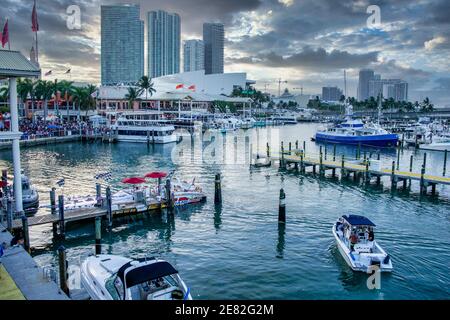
(357, 232)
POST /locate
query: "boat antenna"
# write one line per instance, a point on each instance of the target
(380, 98)
(345, 84)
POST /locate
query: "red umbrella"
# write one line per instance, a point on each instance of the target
(134, 180)
(156, 175)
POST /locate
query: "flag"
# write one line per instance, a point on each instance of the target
(192, 87)
(34, 19)
(105, 176)
(68, 71)
(180, 86)
(48, 73)
(5, 34)
(61, 182)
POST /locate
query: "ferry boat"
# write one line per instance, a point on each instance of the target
(141, 127)
(355, 240)
(355, 132)
(111, 277)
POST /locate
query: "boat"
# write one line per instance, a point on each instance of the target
(248, 123)
(111, 277)
(142, 127)
(261, 162)
(284, 119)
(30, 196)
(355, 132)
(439, 142)
(355, 240)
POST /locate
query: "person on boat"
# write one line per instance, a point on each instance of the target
(371, 236)
(353, 241)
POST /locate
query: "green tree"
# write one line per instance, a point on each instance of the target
(44, 92)
(146, 85)
(132, 96)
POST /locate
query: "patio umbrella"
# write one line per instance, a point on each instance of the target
(157, 175)
(134, 180)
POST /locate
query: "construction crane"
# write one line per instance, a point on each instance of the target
(279, 85)
(301, 89)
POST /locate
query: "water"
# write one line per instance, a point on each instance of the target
(239, 251)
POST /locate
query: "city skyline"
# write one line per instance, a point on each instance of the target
(289, 39)
(193, 55)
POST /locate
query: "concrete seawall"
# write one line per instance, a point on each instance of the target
(40, 142)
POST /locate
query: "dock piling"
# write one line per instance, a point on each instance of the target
(445, 163)
(9, 214)
(282, 207)
(5, 181)
(63, 276)
(296, 144)
(334, 153)
(290, 148)
(98, 235)
(393, 177)
(26, 234)
(304, 147)
(424, 165)
(62, 227)
(398, 158)
(109, 207)
(218, 189)
(268, 150)
(423, 188)
(169, 199)
(98, 193)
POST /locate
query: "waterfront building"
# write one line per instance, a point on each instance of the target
(214, 39)
(122, 44)
(164, 32)
(331, 94)
(193, 55)
(365, 76)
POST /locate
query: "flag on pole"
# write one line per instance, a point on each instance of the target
(68, 71)
(34, 19)
(48, 73)
(192, 87)
(5, 34)
(104, 176)
(61, 182)
(180, 86)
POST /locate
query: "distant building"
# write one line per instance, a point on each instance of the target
(390, 88)
(214, 39)
(122, 44)
(331, 94)
(365, 76)
(194, 55)
(164, 32)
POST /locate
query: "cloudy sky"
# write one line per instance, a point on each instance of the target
(308, 43)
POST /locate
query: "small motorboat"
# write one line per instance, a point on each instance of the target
(30, 196)
(261, 162)
(110, 277)
(356, 242)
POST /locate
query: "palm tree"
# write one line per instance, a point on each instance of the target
(132, 96)
(66, 88)
(44, 91)
(27, 88)
(80, 97)
(90, 100)
(146, 84)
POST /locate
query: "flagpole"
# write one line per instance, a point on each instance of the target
(37, 49)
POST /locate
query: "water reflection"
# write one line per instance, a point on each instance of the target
(281, 240)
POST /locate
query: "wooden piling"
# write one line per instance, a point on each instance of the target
(5, 181)
(98, 235)
(62, 226)
(398, 158)
(321, 170)
(169, 200)
(98, 193)
(326, 153)
(63, 276)
(411, 159)
(343, 167)
(433, 189)
(423, 188)
(296, 144)
(304, 147)
(302, 165)
(424, 165)
(9, 214)
(334, 153)
(218, 189)
(445, 163)
(109, 207)
(393, 177)
(268, 150)
(26, 234)
(290, 148)
(282, 207)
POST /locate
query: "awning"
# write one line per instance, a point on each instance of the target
(355, 220)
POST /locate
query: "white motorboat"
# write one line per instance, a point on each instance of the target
(248, 123)
(438, 142)
(261, 162)
(30, 196)
(142, 127)
(355, 240)
(110, 277)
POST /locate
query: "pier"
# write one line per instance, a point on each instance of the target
(360, 169)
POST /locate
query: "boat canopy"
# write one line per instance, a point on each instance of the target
(355, 220)
(145, 272)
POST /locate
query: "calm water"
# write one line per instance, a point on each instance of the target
(238, 251)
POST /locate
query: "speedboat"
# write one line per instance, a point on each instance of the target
(30, 196)
(355, 240)
(110, 277)
(355, 132)
(261, 162)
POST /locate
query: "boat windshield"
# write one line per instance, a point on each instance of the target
(162, 287)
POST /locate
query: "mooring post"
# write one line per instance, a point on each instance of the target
(304, 147)
(393, 178)
(5, 181)
(250, 156)
(416, 143)
(98, 235)
(321, 171)
(109, 207)
(326, 152)
(433, 189)
(169, 199)
(334, 153)
(63, 276)
(411, 159)
(290, 148)
(98, 194)
(423, 188)
(218, 189)
(268, 150)
(282, 164)
(296, 145)
(26, 234)
(398, 158)
(9, 213)
(343, 167)
(282, 207)
(302, 165)
(62, 227)
(445, 163)
(367, 175)
(378, 156)
(424, 165)
(403, 140)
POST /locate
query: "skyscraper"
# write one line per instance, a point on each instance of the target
(164, 31)
(194, 55)
(214, 38)
(122, 44)
(365, 75)
(331, 94)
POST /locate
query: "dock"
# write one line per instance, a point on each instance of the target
(358, 168)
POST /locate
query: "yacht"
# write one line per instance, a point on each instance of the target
(140, 127)
(355, 240)
(355, 132)
(438, 142)
(110, 277)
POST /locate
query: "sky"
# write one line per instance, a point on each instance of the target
(308, 43)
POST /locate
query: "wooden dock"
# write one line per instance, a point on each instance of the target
(359, 168)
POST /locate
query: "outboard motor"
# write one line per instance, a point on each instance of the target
(387, 259)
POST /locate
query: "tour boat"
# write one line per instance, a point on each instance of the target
(355, 132)
(111, 277)
(142, 127)
(355, 240)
